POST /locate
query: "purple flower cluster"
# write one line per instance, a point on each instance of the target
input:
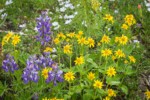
(35, 64)
(9, 64)
(43, 26)
(30, 73)
(54, 75)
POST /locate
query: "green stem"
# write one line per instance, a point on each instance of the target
(95, 94)
(59, 53)
(70, 61)
(100, 55)
(105, 69)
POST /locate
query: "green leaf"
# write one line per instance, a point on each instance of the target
(113, 80)
(3, 88)
(124, 89)
(87, 96)
(128, 49)
(90, 60)
(129, 70)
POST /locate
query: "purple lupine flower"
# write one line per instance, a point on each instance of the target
(44, 28)
(34, 64)
(46, 61)
(55, 75)
(30, 73)
(9, 64)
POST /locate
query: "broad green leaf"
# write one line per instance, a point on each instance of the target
(90, 60)
(3, 88)
(113, 80)
(87, 96)
(129, 70)
(124, 89)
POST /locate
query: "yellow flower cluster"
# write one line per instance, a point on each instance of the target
(71, 35)
(95, 4)
(122, 40)
(80, 39)
(90, 42)
(59, 37)
(106, 52)
(129, 21)
(10, 35)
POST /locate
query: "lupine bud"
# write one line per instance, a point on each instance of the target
(44, 28)
(9, 64)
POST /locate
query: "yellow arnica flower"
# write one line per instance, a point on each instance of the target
(132, 59)
(55, 99)
(45, 98)
(69, 76)
(117, 39)
(98, 44)
(91, 42)
(91, 76)
(111, 93)
(125, 26)
(119, 53)
(79, 60)
(113, 57)
(147, 93)
(106, 98)
(126, 61)
(78, 36)
(67, 49)
(95, 4)
(123, 40)
(106, 52)
(82, 41)
(130, 20)
(45, 72)
(105, 39)
(67, 39)
(61, 35)
(109, 18)
(4, 41)
(71, 35)
(48, 49)
(98, 84)
(111, 71)
(16, 39)
(8, 36)
(80, 33)
(56, 41)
